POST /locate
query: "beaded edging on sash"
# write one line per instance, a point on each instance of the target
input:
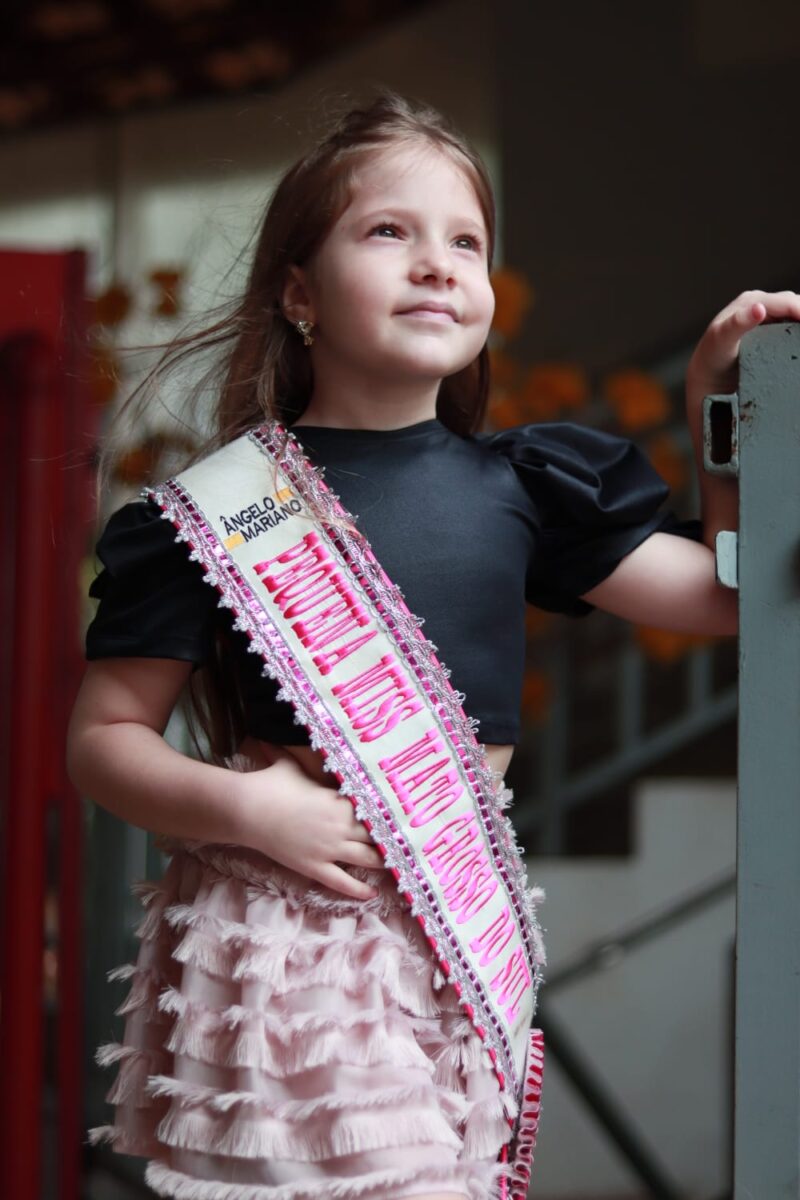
(272, 602)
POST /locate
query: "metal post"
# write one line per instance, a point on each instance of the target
(767, 1145)
(767, 1071)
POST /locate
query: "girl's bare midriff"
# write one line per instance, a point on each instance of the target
(264, 753)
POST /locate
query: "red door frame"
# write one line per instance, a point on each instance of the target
(47, 432)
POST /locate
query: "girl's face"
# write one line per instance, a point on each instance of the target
(399, 290)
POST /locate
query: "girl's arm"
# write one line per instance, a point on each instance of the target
(668, 581)
(117, 756)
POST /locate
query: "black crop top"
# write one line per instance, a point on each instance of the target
(469, 529)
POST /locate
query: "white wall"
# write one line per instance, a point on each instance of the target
(655, 1022)
(189, 184)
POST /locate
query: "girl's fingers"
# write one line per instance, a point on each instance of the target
(744, 318)
(775, 304)
(745, 313)
(737, 323)
(755, 306)
(354, 830)
(713, 365)
(361, 855)
(334, 877)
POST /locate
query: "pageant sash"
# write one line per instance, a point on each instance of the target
(336, 635)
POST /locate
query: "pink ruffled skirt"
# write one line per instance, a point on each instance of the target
(283, 1041)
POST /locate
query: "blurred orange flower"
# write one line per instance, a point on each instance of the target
(536, 694)
(141, 462)
(505, 411)
(666, 646)
(550, 387)
(168, 281)
(537, 621)
(668, 459)
(135, 465)
(105, 375)
(513, 297)
(112, 306)
(506, 372)
(639, 401)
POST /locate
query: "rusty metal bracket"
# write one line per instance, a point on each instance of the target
(721, 434)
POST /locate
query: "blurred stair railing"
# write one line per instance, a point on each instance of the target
(554, 788)
(608, 1109)
(558, 790)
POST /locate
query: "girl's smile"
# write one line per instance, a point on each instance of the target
(443, 314)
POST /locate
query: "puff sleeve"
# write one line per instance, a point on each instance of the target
(153, 601)
(595, 497)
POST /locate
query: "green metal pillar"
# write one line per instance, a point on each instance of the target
(766, 424)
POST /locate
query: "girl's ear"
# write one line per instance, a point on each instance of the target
(295, 299)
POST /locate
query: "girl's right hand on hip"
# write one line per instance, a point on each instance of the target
(306, 826)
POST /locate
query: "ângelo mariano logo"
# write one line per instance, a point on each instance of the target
(259, 517)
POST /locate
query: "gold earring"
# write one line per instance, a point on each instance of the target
(305, 328)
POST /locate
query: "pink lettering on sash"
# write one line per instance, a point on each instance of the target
(419, 777)
(494, 938)
(305, 564)
(454, 833)
(321, 592)
(291, 555)
(511, 981)
(364, 681)
(326, 662)
(460, 861)
(389, 713)
(378, 699)
(310, 578)
(473, 888)
(430, 743)
(445, 789)
(319, 627)
(332, 631)
(443, 792)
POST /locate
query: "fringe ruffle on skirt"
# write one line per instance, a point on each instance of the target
(284, 1042)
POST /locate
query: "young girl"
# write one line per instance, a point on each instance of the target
(288, 1032)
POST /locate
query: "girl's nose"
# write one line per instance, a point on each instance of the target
(432, 262)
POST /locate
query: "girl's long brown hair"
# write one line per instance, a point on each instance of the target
(263, 370)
